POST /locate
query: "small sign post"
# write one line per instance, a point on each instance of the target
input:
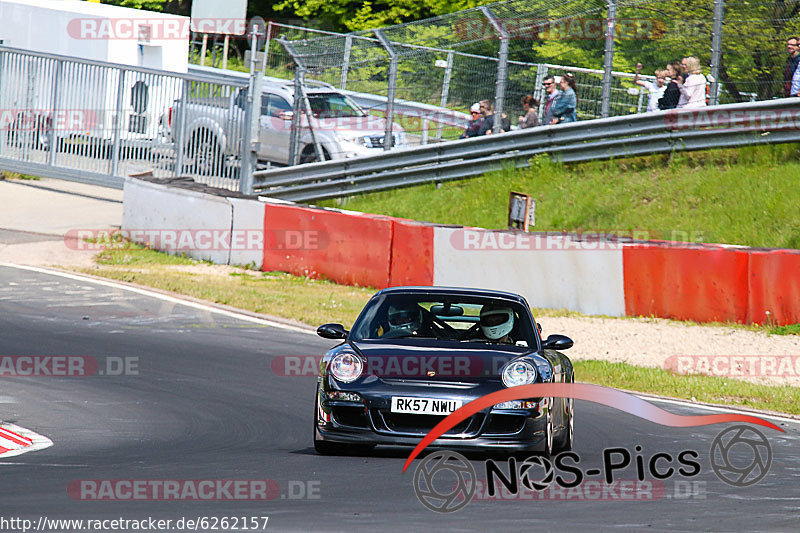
(521, 211)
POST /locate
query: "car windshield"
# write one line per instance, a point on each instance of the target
(445, 317)
(327, 105)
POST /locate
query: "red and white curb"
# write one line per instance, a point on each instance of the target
(15, 440)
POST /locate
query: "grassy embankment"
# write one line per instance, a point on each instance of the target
(747, 196)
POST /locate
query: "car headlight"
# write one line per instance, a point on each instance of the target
(518, 373)
(358, 139)
(346, 367)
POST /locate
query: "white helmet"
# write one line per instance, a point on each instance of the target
(404, 319)
(496, 322)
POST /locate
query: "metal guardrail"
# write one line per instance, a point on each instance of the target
(731, 125)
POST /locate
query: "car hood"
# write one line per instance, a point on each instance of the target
(366, 125)
(436, 361)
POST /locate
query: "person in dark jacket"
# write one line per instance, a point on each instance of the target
(672, 94)
(488, 119)
(793, 46)
(474, 125)
(564, 109)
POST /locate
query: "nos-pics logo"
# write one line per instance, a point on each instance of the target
(445, 481)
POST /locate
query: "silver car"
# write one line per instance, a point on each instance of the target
(342, 128)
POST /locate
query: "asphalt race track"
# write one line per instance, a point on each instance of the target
(203, 403)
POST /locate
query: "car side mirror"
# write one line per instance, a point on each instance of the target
(558, 342)
(287, 115)
(332, 331)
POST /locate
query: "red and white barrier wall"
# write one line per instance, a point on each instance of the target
(672, 280)
(549, 272)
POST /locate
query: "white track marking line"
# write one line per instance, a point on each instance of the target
(37, 442)
(164, 297)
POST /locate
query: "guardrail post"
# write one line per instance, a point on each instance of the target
(51, 156)
(294, 137)
(252, 118)
(348, 44)
(300, 103)
(538, 92)
(392, 88)
(716, 51)
(502, 68)
(448, 72)
(180, 120)
(608, 59)
(117, 124)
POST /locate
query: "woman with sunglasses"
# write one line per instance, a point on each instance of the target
(475, 123)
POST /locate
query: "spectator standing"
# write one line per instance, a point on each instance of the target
(795, 87)
(793, 46)
(695, 86)
(564, 108)
(672, 93)
(474, 125)
(553, 94)
(487, 108)
(655, 90)
(530, 106)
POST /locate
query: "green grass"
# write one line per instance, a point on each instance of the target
(8, 175)
(791, 329)
(705, 389)
(310, 301)
(745, 196)
(129, 253)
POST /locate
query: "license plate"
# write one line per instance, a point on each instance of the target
(424, 406)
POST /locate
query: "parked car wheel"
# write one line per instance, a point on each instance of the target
(308, 155)
(205, 153)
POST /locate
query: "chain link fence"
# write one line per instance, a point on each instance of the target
(503, 50)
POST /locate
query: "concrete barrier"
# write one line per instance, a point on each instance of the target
(774, 287)
(153, 214)
(412, 253)
(349, 248)
(247, 246)
(575, 279)
(702, 283)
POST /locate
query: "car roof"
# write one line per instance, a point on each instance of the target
(455, 291)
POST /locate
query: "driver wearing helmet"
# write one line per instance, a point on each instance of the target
(496, 323)
(403, 320)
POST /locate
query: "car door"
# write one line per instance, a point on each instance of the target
(274, 131)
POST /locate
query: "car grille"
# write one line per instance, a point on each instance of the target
(354, 416)
(421, 424)
(504, 425)
(377, 141)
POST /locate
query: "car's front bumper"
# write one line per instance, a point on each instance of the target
(372, 421)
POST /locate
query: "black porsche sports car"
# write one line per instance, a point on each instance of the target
(416, 354)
